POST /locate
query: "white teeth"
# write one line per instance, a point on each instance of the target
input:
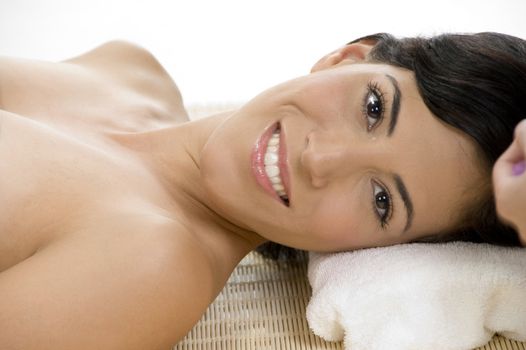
(271, 158)
(272, 170)
(274, 140)
(271, 161)
(278, 187)
(275, 180)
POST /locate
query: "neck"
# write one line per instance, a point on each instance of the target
(172, 154)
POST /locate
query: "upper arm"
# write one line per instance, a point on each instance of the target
(90, 293)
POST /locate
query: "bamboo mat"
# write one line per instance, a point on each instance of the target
(263, 307)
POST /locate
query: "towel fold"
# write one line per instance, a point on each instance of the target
(419, 296)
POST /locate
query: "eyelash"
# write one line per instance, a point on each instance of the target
(373, 90)
(382, 218)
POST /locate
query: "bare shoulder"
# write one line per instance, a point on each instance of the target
(118, 54)
(133, 65)
(111, 77)
(135, 288)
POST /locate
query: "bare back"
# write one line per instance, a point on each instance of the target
(87, 258)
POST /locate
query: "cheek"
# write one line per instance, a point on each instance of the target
(326, 97)
(337, 224)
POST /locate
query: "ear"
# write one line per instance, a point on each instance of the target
(355, 52)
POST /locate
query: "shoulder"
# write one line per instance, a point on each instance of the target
(138, 70)
(122, 60)
(120, 55)
(134, 67)
(142, 285)
(115, 71)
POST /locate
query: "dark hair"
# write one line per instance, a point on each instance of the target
(477, 84)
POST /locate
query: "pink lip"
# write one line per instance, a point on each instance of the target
(258, 164)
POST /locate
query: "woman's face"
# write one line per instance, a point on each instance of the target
(362, 160)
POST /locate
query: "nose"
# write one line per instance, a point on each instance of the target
(331, 156)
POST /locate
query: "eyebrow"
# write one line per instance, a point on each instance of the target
(400, 186)
(395, 106)
(406, 198)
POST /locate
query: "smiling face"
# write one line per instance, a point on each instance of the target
(367, 163)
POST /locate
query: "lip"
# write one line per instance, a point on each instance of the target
(258, 165)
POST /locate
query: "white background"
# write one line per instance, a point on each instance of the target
(227, 51)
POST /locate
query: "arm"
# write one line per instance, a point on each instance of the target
(105, 291)
(509, 180)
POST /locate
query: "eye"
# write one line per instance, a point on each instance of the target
(373, 106)
(381, 203)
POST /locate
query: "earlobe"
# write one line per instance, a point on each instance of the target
(356, 52)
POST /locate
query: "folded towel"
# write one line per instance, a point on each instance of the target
(419, 296)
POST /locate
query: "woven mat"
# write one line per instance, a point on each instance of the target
(262, 307)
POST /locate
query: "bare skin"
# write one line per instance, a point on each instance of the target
(121, 221)
(90, 253)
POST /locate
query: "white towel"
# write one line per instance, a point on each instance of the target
(419, 296)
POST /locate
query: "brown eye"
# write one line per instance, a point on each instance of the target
(381, 203)
(373, 106)
(374, 109)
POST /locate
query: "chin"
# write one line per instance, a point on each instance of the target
(241, 210)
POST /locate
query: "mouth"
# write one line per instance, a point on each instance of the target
(269, 164)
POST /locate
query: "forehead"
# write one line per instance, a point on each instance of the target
(437, 162)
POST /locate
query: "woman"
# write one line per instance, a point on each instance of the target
(122, 221)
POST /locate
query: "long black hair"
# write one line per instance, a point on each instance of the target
(477, 84)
